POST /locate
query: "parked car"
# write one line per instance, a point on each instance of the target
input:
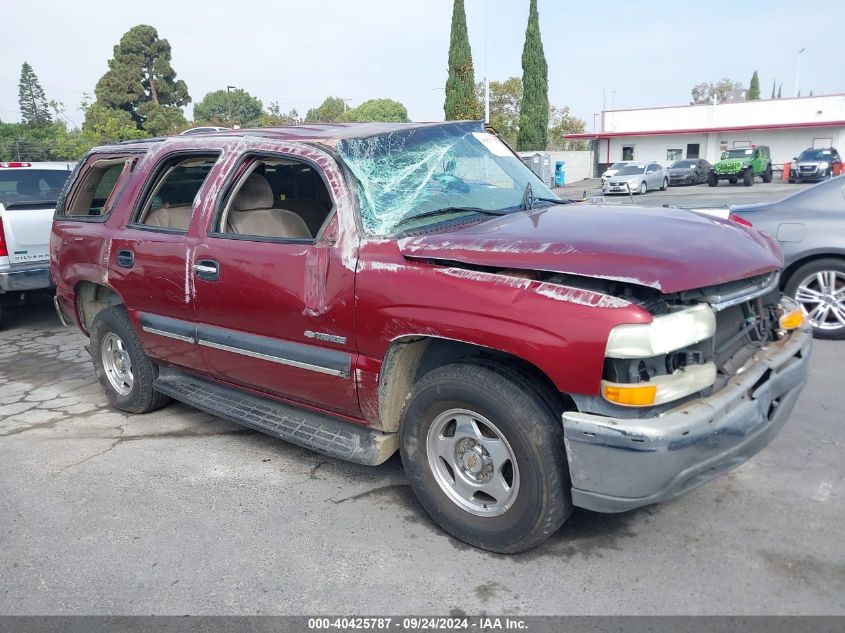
(815, 164)
(366, 288)
(690, 171)
(638, 178)
(28, 194)
(810, 227)
(614, 169)
(204, 129)
(743, 163)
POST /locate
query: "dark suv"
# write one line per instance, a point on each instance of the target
(815, 164)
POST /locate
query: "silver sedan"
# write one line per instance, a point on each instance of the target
(638, 178)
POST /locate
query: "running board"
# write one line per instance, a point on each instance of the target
(320, 433)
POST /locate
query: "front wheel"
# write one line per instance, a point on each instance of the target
(712, 180)
(748, 177)
(665, 184)
(819, 287)
(643, 189)
(124, 370)
(484, 453)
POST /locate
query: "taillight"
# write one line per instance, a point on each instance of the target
(3, 250)
(739, 220)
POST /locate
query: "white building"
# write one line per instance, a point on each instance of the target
(787, 126)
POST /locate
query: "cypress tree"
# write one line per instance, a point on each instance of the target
(754, 88)
(534, 113)
(31, 99)
(780, 89)
(773, 89)
(461, 101)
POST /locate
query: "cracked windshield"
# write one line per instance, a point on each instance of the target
(421, 176)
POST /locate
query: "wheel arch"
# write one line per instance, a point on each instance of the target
(90, 298)
(789, 270)
(410, 357)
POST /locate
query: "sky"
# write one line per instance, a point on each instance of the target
(620, 54)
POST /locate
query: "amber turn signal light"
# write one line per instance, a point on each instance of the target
(792, 319)
(634, 395)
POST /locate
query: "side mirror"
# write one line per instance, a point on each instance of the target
(794, 158)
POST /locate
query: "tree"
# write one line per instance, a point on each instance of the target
(229, 106)
(330, 111)
(140, 77)
(773, 88)
(505, 104)
(534, 114)
(461, 101)
(107, 125)
(704, 92)
(274, 117)
(754, 88)
(35, 111)
(562, 122)
(780, 89)
(378, 110)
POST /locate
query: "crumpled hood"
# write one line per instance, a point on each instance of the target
(668, 249)
(681, 171)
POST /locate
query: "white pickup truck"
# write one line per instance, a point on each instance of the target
(28, 194)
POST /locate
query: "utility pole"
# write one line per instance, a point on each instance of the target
(229, 103)
(486, 74)
(798, 70)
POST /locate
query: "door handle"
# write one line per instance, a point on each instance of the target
(125, 259)
(207, 270)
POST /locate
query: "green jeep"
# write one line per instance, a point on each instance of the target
(744, 163)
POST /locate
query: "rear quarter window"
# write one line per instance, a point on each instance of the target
(96, 188)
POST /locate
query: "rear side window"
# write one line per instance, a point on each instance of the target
(97, 189)
(169, 202)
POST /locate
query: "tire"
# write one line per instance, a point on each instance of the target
(792, 181)
(748, 177)
(733, 181)
(665, 184)
(125, 371)
(805, 281)
(712, 180)
(643, 189)
(767, 175)
(520, 424)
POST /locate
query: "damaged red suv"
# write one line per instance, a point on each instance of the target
(363, 289)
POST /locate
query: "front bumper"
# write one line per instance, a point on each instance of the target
(618, 464)
(22, 279)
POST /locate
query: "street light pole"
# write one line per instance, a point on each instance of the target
(798, 70)
(229, 103)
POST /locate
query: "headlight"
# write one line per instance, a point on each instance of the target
(824, 164)
(632, 181)
(664, 334)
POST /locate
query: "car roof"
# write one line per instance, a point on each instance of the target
(327, 133)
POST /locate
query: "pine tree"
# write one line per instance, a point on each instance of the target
(35, 112)
(754, 88)
(780, 90)
(461, 102)
(773, 88)
(140, 79)
(534, 114)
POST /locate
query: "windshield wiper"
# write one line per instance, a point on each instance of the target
(447, 210)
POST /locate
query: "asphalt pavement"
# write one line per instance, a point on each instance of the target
(177, 512)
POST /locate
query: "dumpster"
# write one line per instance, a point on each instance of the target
(560, 173)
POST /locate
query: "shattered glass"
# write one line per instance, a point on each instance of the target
(453, 167)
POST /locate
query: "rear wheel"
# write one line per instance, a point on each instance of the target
(712, 180)
(484, 454)
(767, 175)
(124, 370)
(748, 177)
(732, 180)
(819, 287)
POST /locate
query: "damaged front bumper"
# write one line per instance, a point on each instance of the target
(619, 464)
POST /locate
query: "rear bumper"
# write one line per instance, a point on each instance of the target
(22, 279)
(619, 464)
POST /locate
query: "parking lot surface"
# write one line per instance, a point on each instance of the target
(177, 512)
(686, 195)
